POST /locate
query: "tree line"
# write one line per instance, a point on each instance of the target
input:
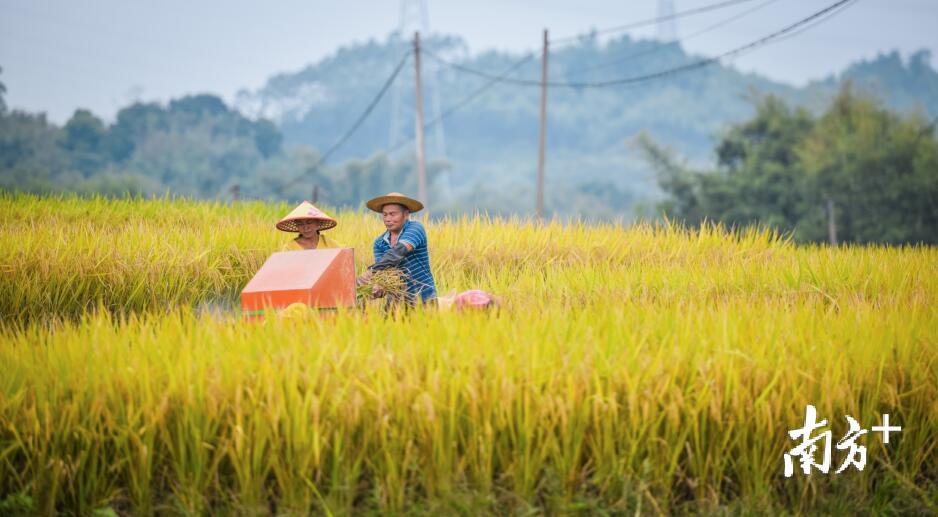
(857, 172)
(195, 146)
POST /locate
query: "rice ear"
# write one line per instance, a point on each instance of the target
(391, 281)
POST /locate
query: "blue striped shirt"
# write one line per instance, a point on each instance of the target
(416, 264)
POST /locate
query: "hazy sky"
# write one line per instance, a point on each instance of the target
(58, 55)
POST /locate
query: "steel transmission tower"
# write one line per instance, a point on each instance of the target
(667, 28)
(414, 18)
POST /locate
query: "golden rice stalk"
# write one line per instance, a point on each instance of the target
(390, 281)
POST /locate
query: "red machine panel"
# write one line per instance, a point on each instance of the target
(318, 278)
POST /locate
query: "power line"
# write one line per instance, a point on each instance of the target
(652, 21)
(466, 100)
(788, 31)
(567, 40)
(357, 124)
(815, 23)
(664, 73)
(449, 111)
(728, 54)
(659, 48)
(503, 77)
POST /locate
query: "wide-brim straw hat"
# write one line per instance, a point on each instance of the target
(397, 198)
(305, 210)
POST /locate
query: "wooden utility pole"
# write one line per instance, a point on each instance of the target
(543, 136)
(831, 223)
(421, 167)
(315, 194)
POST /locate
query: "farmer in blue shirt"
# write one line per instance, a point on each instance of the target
(403, 246)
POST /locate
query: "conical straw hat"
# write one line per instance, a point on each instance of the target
(305, 210)
(375, 204)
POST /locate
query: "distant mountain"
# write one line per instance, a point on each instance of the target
(269, 145)
(492, 140)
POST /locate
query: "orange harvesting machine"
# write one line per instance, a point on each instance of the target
(321, 279)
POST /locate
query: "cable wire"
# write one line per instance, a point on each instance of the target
(664, 73)
(466, 100)
(659, 48)
(651, 21)
(357, 124)
(817, 22)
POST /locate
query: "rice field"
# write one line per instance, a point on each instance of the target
(645, 369)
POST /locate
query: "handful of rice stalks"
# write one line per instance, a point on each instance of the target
(389, 282)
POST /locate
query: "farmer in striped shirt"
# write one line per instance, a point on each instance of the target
(403, 246)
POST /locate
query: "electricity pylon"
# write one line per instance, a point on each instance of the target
(667, 29)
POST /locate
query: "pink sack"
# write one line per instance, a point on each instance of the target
(474, 299)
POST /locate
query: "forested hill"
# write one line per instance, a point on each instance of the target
(269, 144)
(904, 85)
(313, 104)
(494, 137)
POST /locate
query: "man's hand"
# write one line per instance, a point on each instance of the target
(376, 290)
(364, 278)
